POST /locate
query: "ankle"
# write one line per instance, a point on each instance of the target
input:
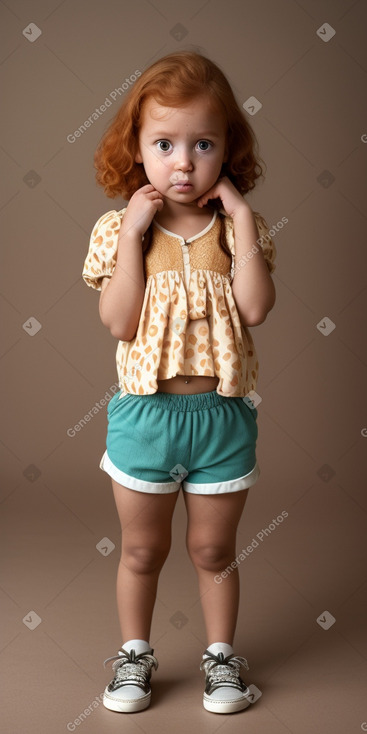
(217, 647)
(138, 645)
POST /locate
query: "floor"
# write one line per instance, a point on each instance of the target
(301, 624)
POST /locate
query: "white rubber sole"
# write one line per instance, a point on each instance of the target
(225, 707)
(128, 706)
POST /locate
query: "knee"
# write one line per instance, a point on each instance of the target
(143, 559)
(210, 557)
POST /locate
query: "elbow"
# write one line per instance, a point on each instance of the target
(257, 317)
(115, 329)
(121, 335)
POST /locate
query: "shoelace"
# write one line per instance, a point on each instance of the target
(221, 671)
(132, 668)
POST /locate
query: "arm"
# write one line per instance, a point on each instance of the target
(122, 295)
(252, 286)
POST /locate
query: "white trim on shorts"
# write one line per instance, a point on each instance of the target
(233, 485)
(140, 485)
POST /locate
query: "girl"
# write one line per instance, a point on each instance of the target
(183, 270)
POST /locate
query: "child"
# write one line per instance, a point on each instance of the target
(183, 270)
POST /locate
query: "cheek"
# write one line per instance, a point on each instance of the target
(219, 162)
(154, 163)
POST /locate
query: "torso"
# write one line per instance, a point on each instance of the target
(196, 383)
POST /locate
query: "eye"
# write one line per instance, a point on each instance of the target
(163, 143)
(204, 145)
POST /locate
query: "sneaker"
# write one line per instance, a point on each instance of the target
(225, 692)
(130, 690)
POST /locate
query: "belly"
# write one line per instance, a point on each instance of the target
(197, 384)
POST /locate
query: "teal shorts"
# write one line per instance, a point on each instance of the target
(157, 442)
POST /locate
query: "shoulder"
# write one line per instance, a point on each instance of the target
(109, 220)
(101, 258)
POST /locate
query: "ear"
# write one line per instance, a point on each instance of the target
(138, 158)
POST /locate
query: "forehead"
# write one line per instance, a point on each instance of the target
(201, 112)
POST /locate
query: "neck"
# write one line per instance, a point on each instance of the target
(176, 210)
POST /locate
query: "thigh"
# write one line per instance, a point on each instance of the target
(144, 515)
(213, 519)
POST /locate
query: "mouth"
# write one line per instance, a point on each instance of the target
(180, 184)
(183, 186)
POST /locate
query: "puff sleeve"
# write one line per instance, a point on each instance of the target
(265, 241)
(101, 258)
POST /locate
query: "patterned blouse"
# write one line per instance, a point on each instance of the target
(189, 323)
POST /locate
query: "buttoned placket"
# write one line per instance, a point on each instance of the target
(186, 262)
(185, 248)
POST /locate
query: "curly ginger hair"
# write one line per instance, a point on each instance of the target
(173, 81)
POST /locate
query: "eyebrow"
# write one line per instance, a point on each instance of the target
(206, 134)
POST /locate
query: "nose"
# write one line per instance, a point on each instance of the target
(183, 160)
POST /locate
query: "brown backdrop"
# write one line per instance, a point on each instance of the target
(303, 585)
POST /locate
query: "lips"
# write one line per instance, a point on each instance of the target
(184, 187)
(179, 178)
(180, 181)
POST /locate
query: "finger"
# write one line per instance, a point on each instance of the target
(210, 194)
(146, 186)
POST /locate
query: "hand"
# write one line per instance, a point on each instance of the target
(233, 202)
(141, 209)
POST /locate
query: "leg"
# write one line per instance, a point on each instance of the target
(211, 543)
(146, 538)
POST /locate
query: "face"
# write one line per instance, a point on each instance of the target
(182, 148)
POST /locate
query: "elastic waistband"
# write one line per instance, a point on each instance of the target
(174, 401)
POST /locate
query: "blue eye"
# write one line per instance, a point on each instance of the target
(163, 142)
(204, 142)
